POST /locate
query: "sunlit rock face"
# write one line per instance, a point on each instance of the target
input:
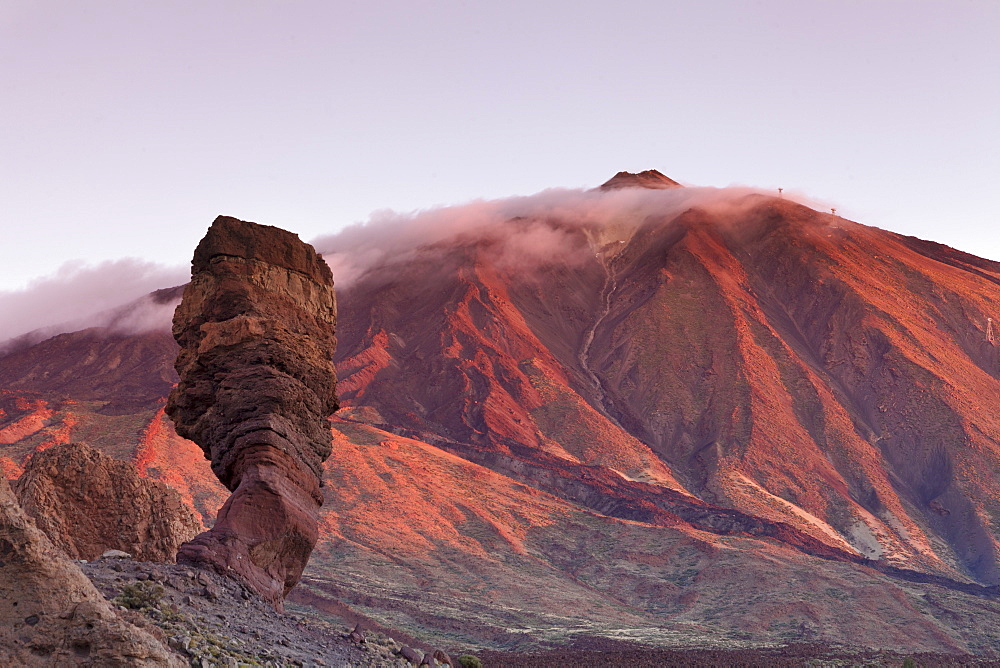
(762, 357)
(257, 383)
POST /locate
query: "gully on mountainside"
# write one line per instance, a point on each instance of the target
(605, 257)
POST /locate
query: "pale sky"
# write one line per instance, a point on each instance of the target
(126, 127)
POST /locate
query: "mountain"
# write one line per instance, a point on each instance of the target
(655, 414)
(791, 365)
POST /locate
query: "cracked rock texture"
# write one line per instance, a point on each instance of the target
(87, 502)
(257, 384)
(51, 614)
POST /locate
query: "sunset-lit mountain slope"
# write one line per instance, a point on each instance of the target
(430, 543)
(671, 415)
(755, 354)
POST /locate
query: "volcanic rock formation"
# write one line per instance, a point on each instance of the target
(87, 502)
(257, 383)
(51, 614)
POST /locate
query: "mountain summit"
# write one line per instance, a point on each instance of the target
(650, 179)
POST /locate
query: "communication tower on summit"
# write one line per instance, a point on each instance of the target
(779, 192)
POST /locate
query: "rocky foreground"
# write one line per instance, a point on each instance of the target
(115, 611)
(209, 620)
(212, 620)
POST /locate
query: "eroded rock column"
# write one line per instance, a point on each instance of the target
(257, 383)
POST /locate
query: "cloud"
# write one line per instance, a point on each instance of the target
(517, 233)
(79, 295)
(520, 231)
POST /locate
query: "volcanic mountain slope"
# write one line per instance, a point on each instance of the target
(425, 541)
(754, 354)
(648, 414)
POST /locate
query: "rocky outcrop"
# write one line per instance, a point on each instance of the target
(87, 502)
(257, 383)
(51, 614)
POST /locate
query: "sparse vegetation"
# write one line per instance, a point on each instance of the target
(838, 594)
(469, 661)
(170, 613)
(140, 595)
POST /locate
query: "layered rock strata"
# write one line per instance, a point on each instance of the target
(87, 502)
(257, 384)
(51, 614)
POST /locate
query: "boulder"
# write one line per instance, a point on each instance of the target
(51, 614)
(87, 503)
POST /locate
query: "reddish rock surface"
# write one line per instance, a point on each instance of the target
(257, 383)
(87, 503)
(830, 380)
(51, 614)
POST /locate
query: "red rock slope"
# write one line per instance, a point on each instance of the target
(756, 355)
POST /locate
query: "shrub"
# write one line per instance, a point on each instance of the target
(139, 595)
(469, 661)
(172, 614)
